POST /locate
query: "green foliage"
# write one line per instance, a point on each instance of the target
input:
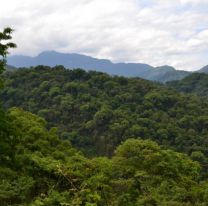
(48, 171)
(7, 134)
(5, 36)
(153, 175)
(196, 83)
(96, 112)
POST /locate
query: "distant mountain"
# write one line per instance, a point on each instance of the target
(166, 73)
(52, 58)
(195, 83)
(204, 69)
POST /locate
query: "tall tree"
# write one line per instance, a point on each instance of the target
(5, 127)
(5, 36)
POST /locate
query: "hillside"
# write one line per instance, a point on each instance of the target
(40, 168)
(204, 69)
(9, 67)
(52, 58)
(196, 83)
(96, 112)
(165, 74)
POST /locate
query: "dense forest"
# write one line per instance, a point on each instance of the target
(196, 83)
(96, 112)
(38, 168)
(106, 141)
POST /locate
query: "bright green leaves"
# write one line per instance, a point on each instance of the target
(48, 171)
(154, 174)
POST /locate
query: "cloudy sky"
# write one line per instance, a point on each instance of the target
(157, 32)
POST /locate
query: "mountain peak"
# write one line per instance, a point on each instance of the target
(166, 67)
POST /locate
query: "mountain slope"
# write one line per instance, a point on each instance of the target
(97, 111)
(204, 69)
(166, 73)
(52, 58)
(195, 83)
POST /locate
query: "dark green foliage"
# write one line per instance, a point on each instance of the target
(96, 112)
(196, 83)
(38, 168)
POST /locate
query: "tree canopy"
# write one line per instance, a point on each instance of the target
(45, 170)
(196, 83)
(96, 112)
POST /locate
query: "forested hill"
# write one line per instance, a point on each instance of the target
(96, 112)
(196, 83)
(101, 115)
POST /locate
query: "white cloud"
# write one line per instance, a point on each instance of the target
(156, 32)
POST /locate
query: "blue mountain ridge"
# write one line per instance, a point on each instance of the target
(73, 60)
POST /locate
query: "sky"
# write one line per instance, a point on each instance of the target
(156, 32)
